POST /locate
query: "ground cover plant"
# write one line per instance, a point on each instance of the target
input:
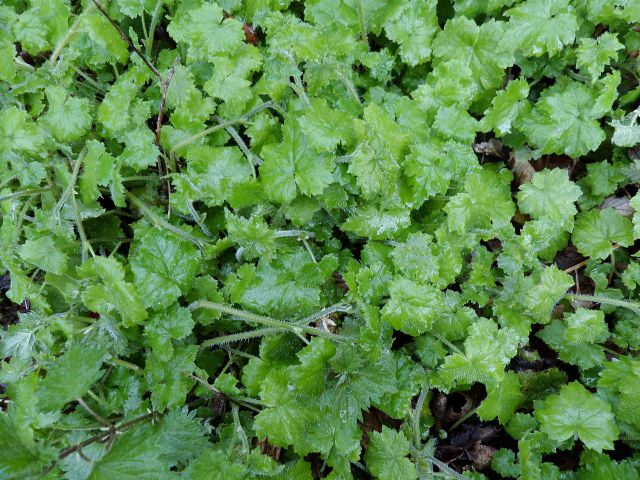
(275, 239)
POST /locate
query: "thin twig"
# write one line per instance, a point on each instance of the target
(578, 266)
(129, 42)
(240, 400)
(100, 437)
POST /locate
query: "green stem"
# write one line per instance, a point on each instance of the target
(266, 321)
(466, 416)
(338, 307)
(239, 337)
(246, 402)
(24, 193)
(448, 343)
(204, 133)
(363, 28)
(144, 27)
(417, 416)
(67, 36)
(221, 125)
(162, 223)
(446, 469)
(249, 155)
(140, 178)
(93, 413)
(633, 306)
(84, 242)
(293, 233)
(72, 184)
(125, 364)
(152, 27)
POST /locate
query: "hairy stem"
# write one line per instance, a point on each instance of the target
(266, 321)
(67, 36)
(239, 337)
(363, 28)
(160, 222)
(633, 306)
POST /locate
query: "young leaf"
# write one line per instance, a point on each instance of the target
(164, 267)
(576, 411)
(386, 456)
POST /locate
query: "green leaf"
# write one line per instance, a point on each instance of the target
(487, 351)
(551, 287)
(112, 293)
(169, 380)
(635, 203)
(412, 308)
(537, 27)
(483, 48)
(164, 267)
(133, 456)
(586, 326)
(68, 118)
(377, 224)
(206, 32)
(433, 167)
(182, 436)
(288, 286)
(285, 418)
(413, 28)
(212, 173)
(231, 79)
(594, 466)
(417, 258)
(596, 231)
(485, 206)
(70, 376)
(97, 171)
(20, 457)
(44, 253)
(503, 400)
(174, 323)
(293, 166)
(214, 465)
(575, 411)
(594, 54)
(96, 42)
(39, 27)
(252, 235)
(564, 120)
(619, 380)
(325, 127)
(226, 383)
(551, 195)
(626, 133)
(506, 107)
(584, 355)
(386, 455)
